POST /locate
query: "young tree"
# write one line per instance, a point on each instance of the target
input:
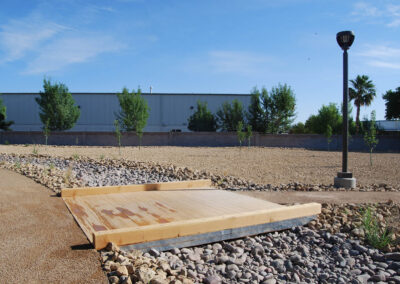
(370, 136)
(392, 99)
(229, 115)
(328, 135)
(4, 125)
(118, 134)
(240, 134)
(134, 112)
(202, 119)
(46, 131)
(57, 106)
(363, 92)
(248, 135)
(255, 113)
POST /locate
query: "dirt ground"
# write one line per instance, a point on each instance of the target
(259, 164)
(41, 243)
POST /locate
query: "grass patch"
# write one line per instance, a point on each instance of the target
(375, 235)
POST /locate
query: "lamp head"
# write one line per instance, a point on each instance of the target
(345, 39)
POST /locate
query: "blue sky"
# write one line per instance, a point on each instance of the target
(207, 46)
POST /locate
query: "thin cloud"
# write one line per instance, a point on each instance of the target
(237, 62)
(18, 37)
(389, 14)
(366, 10)
(70, 50)
(381, 56)
(384, 64)
(48, 46)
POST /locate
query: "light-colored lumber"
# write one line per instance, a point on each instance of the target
(175, 185)
(202, 225)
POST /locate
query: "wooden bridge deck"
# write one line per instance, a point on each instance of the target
(137, 214)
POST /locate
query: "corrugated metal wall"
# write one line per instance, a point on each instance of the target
(167, 111)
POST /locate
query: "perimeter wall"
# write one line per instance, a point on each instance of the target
(387, 143)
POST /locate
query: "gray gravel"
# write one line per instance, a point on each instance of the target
(94, 174)
(296, 255)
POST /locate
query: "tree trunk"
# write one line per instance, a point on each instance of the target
(358, 119)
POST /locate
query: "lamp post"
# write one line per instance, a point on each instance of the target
(345, 178)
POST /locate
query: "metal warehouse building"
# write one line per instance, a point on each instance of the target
(167, 111)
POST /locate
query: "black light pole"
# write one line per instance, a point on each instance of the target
(345, 178)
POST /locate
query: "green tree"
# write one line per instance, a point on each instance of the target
(363, 92)
(276, 111)
(370, 136)
(57, 106)
(255, 113)
(134, 112)
(392, 99)
(4, 125)
(327, 115)
(202, 119)
(298, 128)
(229, 115)
(282, 105)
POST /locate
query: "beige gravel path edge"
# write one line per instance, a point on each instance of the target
(41, 243)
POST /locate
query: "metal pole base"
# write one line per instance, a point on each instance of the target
(345, 180)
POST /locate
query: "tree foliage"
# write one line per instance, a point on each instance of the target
(298, 128)
(363, 92)
(229, 115)
(4, 125)
(327, 116)
(57, 106)
(392, 99)
(272, 112)
(202, 119)
(255, 113)
(134, 111)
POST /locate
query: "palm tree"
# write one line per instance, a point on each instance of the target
(362, 94)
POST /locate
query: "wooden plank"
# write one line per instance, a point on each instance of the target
(229, 234)
(175, 185)
(202, 225)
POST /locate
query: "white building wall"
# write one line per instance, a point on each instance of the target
(167, 111)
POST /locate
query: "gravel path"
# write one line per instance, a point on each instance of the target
(38, 235)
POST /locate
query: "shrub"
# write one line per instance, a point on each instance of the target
(57, 107)
(202, 119)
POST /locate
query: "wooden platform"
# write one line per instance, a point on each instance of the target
(176, 214)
